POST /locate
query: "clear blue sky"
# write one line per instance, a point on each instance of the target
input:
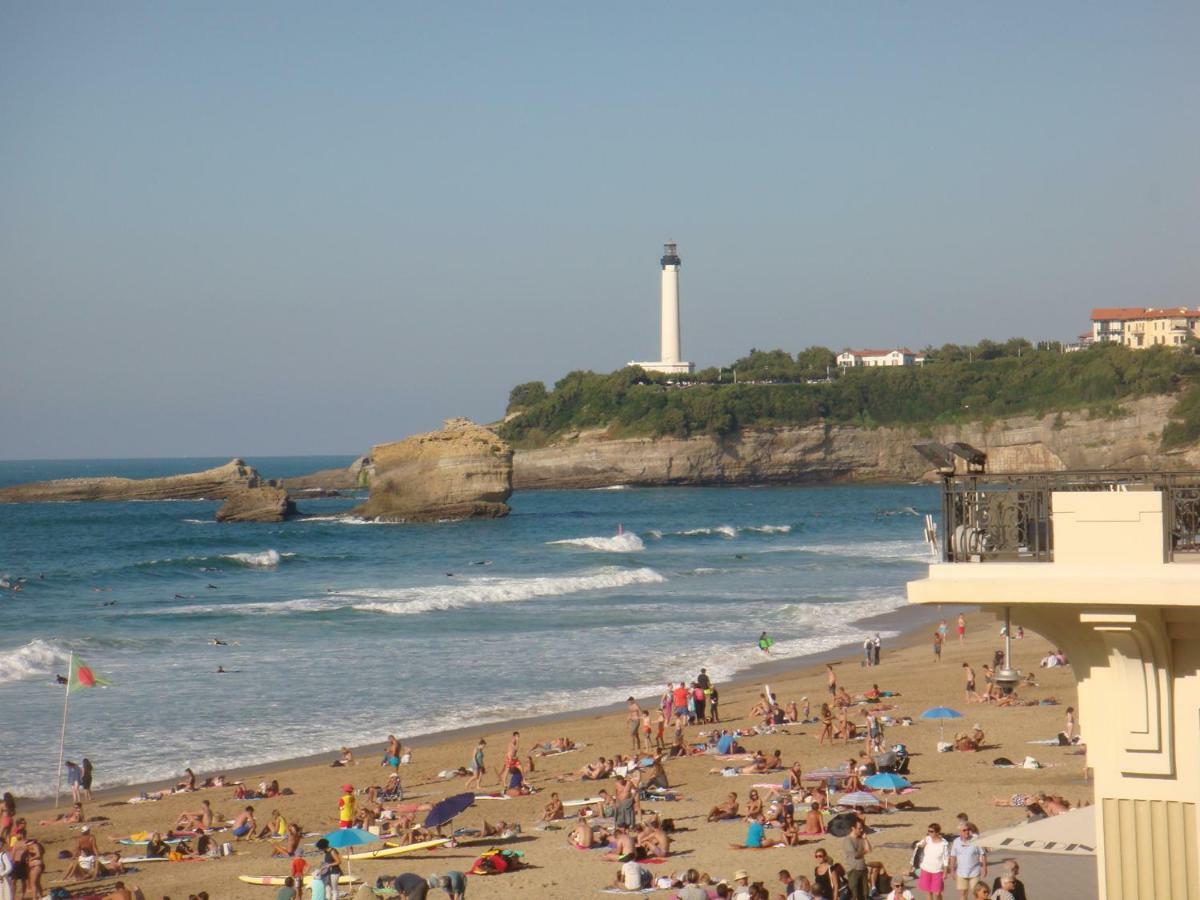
(251, 228)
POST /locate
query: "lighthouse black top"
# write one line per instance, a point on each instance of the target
(670, 257)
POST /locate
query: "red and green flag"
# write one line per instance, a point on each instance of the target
(82, 676)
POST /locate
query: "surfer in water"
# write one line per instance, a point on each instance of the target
(764, 643)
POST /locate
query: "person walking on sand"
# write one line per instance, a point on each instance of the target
(764, 643)
(877, 641)
(830, 680)
(511, 757)
(935, 862)
(969, 687)
(938, 640)
(634, 719)
(477, 767)
(856, 846)
(968, 859)
(346, 807)
(962, 627)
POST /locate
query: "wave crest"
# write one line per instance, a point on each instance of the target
(627, 542)
(38, 657)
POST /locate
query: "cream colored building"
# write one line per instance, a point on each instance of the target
(1140, 327)
(1106, 568)
(853, 359)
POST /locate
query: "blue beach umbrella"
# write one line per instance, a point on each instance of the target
(445, 810)
(887, 781)
(941, 713)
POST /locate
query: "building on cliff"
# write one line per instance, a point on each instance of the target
(1139, 327)
(670, 360)
(854, 359)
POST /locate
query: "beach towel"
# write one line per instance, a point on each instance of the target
(613, 890)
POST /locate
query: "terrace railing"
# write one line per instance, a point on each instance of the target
(1007, 518)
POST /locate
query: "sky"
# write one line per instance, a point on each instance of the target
(234, 228)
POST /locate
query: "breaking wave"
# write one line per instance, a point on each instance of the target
(627, 542)
(38, 657)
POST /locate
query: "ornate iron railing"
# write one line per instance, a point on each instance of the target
(1007, 517)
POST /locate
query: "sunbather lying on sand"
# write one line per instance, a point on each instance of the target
(726, 810)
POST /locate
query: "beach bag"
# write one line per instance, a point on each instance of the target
(1002, 762)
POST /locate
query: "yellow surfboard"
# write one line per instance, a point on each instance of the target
(389, 852)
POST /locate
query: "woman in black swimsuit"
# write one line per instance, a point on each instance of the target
(826, 874)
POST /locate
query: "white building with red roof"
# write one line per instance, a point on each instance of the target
(1139, 326)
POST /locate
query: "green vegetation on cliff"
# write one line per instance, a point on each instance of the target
(958, 384)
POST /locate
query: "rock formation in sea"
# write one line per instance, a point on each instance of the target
(823, 453)
(266, 503)
(211, 484)
(330, 481)
(463, 471)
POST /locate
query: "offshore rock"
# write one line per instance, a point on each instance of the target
(258, 504)
(211, 484)
(824, 453)
(463, 471)
(331, 482)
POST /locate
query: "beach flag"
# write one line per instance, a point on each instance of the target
(82, 676)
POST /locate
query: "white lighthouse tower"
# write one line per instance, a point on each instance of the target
(669, 361)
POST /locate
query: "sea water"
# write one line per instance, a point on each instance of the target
(337, 631)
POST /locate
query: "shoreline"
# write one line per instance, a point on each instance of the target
(907, 620)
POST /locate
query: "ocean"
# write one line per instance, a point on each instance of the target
(340, 632)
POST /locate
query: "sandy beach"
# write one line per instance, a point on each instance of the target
(947, 783)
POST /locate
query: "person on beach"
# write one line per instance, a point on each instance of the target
(85, 779)
(453, 883)
(700, 697)
(477, 768)
(74, 777)
(726, 810)
(346, 807)
(830, 680)
(391, 756)
(856, 846)
(633, 717)
(660, 729)
(877, 642)
(291, 842)
(764, 643)
(1009, 880)
(188, 783)
(868, 652)
(201, 818)
(511, 756)
(968, 859)
(962, 627)
(6, 874)
(553, 810)
(943, 630)
(244, 824)
(827, 875)
(585, 837)
(826, 725)
(969, 687)
(935, 862)
(1069, 726)
(938, 640)
(330, 870)
(714, 714)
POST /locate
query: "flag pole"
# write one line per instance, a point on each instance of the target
(62, 741)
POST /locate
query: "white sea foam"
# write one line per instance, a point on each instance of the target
(412, 600)
(767, 529)
(916, 550)
(264, 559)
(628, 542)
(724, 531)
(344, 520)
(480, 591)
(38, 657)
(200, 521)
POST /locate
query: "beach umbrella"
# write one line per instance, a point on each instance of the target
(445, 810)
(350, 837)
(859, 798)
(941, 713)
(887, 781)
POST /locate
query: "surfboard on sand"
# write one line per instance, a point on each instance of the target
(279, 879)
(585, 802)
(389, 852)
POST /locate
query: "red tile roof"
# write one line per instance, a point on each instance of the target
(1128, 313)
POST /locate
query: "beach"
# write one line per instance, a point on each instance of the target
(946, 783)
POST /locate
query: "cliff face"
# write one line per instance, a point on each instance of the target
(331, 481)
(211, 484)
(462, 471)
(822, 453)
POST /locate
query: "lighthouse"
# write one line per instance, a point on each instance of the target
(669, 361)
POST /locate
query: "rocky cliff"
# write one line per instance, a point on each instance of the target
(211, 484)
(824, 453)
(257, 504)
(331, 481)
(462, 471)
